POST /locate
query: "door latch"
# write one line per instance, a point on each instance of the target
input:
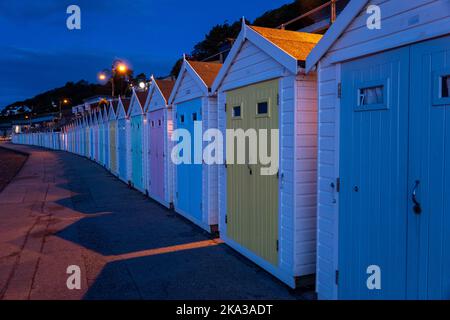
(417, 207)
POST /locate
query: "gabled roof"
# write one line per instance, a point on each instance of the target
(166, 87)
(346, 17)
(124, 106)
(113, 104)
(288, 48)
(125, 103)
(142, 97)
(203, 73)
(297, 44)
(105, 112)
(137, 102)
(207, 71)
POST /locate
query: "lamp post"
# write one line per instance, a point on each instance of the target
(62, 102)
(117, 68)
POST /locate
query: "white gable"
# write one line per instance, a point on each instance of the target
(121, 114)
(111, 114)
(156, 100)
(402, 23)
(188, 88)
(251, 65)
(105, 113)
(135, 106)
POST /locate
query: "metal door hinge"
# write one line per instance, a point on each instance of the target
(338, 184)
(225, 107)
(337, 277)
(278, 99)
(339, 90)
(226, 218)
(278, 246)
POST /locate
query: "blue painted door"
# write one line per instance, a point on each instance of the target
(395, 167)
(136, 151)
(373, 175)
(189, 176)
(122, 148)
(429, 163)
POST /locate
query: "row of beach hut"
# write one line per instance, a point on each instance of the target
(361, 198)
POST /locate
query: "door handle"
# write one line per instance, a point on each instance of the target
(250, 169)
(417, 207)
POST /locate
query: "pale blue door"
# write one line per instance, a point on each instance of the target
(373, 209)
(136, 151)
(429, 171)
(189, 176)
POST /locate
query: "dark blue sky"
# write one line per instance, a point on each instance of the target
(38, 52)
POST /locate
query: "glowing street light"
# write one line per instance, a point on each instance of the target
(118, 68)
(61, 102)
(122, 68)
(142, 85)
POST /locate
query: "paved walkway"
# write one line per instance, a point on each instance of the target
(64, 210)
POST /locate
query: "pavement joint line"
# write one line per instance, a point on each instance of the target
(4, 290)
(41, 249)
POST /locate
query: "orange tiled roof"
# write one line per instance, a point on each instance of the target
(166, 87)
(115, 103)
(142, 97)
(297, 44)
(126, 104)
(206, 70)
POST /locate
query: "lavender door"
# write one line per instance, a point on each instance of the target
(157, 154)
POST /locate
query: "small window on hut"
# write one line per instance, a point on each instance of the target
(237, 112)
(182, 118)
(153, 123)
(371, 96)
(159, 123)
(445, 86)
(262, 108)
(194, 116)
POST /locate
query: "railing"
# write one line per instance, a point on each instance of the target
(332, 5)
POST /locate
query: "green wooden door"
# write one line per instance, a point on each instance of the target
(252, 198)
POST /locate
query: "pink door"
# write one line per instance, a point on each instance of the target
(156, 123)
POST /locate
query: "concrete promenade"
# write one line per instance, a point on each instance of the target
(62, 210)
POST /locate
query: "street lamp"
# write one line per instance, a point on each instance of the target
(61, 102)
(121, 68)
(118, 68)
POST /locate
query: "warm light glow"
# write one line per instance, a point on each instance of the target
(65, 101)
(102, 77)
(122, 68)
(142, 85)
